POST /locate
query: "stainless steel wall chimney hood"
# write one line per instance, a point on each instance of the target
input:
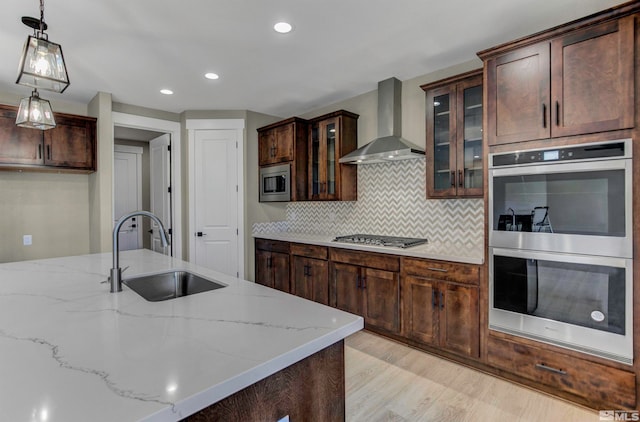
(389, 145)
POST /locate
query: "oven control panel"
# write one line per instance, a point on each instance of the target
(568, 153)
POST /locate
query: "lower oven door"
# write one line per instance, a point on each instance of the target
(579, 302)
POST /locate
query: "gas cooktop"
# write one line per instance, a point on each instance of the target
(372, 239)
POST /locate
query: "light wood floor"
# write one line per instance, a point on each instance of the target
(387, 381)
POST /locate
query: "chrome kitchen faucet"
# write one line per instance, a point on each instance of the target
(116, 272)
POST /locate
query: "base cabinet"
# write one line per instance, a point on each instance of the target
(310, 273)
(272, 264)
(600, 385)
(359, 287)
(440, 312)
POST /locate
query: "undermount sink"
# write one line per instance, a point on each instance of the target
(170, 285)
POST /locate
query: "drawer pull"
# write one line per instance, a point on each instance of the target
(550, 369)
(442, 270)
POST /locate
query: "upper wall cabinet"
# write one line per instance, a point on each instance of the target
(454, 136)
(277, 142)
(69, 147)
(286, 142)
(571, 83)
(330, 137)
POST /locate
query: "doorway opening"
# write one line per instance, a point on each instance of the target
(146, 177)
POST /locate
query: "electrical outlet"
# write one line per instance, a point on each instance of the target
(27, 240)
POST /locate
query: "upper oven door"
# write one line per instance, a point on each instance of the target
(573, 207)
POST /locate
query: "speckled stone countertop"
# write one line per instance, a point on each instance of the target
(72, 351)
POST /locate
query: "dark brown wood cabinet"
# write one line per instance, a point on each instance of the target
(310, 272)
(69, 147)
(286, 142)
(330, 137)
(440, 304)
(454, 136)
(277, 142)
(579, 82)
(272, 264)
(367, 284)
(602, 386)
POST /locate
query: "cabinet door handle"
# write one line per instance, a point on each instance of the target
(453, 179)
(544, 115)
(441, 300)
(40, 151)
(460, 179)
(48, 152)
(442, 270)
(550, 369)
(268, 262)
(557, 113)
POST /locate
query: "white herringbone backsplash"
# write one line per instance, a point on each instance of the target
(391, 201)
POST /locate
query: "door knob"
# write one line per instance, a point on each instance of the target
(200, 234)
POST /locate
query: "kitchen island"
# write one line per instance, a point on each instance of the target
(72, 351)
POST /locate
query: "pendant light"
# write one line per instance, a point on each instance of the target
(35, 113)
(42, 63)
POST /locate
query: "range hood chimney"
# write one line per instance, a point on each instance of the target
(389, 145)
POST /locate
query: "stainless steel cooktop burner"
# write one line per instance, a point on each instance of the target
(372, 239)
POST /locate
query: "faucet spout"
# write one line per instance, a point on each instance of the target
(116, 272)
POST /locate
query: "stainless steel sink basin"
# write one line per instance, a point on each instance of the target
(170, 285)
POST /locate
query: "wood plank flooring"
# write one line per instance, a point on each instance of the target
(388, 381)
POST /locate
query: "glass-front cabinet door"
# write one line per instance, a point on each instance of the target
(323, 172)
(443, 146)
(332, 160)
(454, 137)
(314, 163)
(470, 140)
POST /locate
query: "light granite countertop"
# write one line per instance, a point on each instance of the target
(72, 351)
(440, 251)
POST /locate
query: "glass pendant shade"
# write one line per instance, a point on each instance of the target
(35, 113)
(42, 65)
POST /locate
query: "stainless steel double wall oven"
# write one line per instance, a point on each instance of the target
(561, 244)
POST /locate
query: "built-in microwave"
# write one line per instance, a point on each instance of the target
(275, 183)
(572, 199)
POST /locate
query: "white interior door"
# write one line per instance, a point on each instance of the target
(128, 194)
(160, 182)
(216, 200)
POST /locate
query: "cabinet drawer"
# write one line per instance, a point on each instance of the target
(442, 270)
(272, 245)
(365, 259)
(593, 381)
(309, 251)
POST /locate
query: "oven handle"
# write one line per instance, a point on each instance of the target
(607, 261)
(565, 167)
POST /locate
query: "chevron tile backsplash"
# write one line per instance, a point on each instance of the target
(391, 201)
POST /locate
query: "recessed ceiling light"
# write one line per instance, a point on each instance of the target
(166, 91)
(211, 75)
(282, 27)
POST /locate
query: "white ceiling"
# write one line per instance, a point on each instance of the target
(338, 48)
